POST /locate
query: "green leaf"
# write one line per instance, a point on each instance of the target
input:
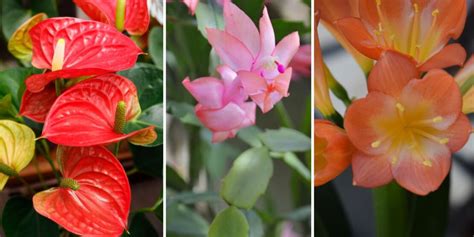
(153, 116)
(184, 112)
(255, 224)
(12, 81)
(208, 16)
(283, 28)
(299, 214)
(295, 163)
(229, 223)
(192, 198)
(248, 178)
(155, 42)
(148, 160)
(253, 8)
(7, 111)
(20, 219)
(174, 180)
(391, 210)
(140, 226)
(431, 212)
(250, 136)
(182, 221)
(286, 140)
(149, 82)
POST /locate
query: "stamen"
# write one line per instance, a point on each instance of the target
(435, 13)
(378, 2)
(280, 67)
(427, 163)
(394, 160)
(441, 141)
(414, 29)
(376, 144)
(400, 107)
(58, 56)
(437, 119)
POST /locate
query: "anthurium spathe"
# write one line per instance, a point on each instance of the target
(20, 44)
(70, 47)
(93, 198)
(17, 143)
(36, 106)
(333, 151)
(221, 104)
(131, 15)
(93, 112)
(465, 80)
(420, 29)
(406, 128)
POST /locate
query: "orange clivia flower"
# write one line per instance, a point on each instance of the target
(406, 128)
(333, 10)
(465, 80)
(417, 28)
(333, 151)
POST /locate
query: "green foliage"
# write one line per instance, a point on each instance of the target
(20, 219)
(282, 28)
(286, 140)
(230, 223)
(248, 178)
(155, 46)
(140, 226)
(183, 222)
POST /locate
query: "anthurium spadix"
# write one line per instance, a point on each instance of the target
(93, 112)
(93, 197)
(131, 15)
(17, 148)
(69, 47)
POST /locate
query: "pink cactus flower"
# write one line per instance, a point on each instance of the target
(221, 104)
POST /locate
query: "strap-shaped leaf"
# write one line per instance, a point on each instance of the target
(20, 44)
(137, 17)
(17, 147)
(101, 203)
(85, 114)
(78, 48)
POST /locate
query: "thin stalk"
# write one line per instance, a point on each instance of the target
(38, 172)
(58, 85)
(152, 208)
(132, 171)
(47, 156)
(117, 148)
(284, 116)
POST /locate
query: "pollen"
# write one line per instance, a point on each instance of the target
(394, 160)
(400, 107)
(443, 141)
(427, 163)
(58, 56)
(438, 119)
(435, 12)
(375, 144)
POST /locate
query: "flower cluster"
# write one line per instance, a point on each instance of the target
(253, 66)
(412, 119)
(83, 115)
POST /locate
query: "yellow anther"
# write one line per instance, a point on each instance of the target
(443, 141)
(375, 144)
(438, 119)
(435, 12)
(376, 32)
(416, 8)
(380, 27)
(427, 163)
(58, 56)
(400, 107)
(394, 160)
(378, 2)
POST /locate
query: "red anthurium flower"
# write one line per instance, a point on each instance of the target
(406, 128)
(72, 47)
(418, 28)
(93, 112)
(93, 198)
(132, 15)
(35, 106)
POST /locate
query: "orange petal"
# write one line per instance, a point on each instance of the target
(332, 10)
(451, 55)
(451, 18)
(423, 171)
(439, 92)
(370, 171)
(361, 119)
(392, 73)
(396, 15)
(458, 134)
(356, 33)
(466, 72)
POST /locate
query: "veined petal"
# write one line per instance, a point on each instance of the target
(267, 35)
(240, 26)
(103, 11)
(230, 50)
(35, 106)
(371, 171)
(451, 55)
(356, 33)
(452, 16)
(422, 171)
(458, 133)
(287, 48)
(392, 73)
(137, 17)
(208, 91)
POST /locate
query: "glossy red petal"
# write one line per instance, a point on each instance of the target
(88, 44)
(100, 206)
(103, 11)
(35, 106)
(84, 115)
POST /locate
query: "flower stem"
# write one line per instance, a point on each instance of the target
(117, 148)
(59, 84)
(152, 208)
(47, 156)
(284, 115)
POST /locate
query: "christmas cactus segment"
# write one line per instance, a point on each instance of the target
(18, 148)
(94, 112)
(131, 15)
(93, 198)
(70, 47)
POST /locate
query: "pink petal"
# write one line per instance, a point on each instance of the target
(249, 110)
(227, 118)
(267, 36)
(191, 4)
(370, 171)
(412, 173)
(208, 91)
(239, 25)
(253, 83)
(287, 48)
(227, 74)
(222, 136)
(282, 82)
(230, 50)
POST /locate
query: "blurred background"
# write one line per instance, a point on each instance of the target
(357, 202)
